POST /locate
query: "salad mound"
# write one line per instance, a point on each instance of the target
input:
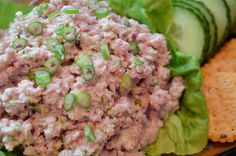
(77, 79)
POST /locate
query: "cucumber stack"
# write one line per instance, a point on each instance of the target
(201, 26)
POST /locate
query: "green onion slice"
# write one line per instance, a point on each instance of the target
(2, 153)
(42, 7)
(42, 78)
(69, 101)
(59, 51)
(84, 59)
(83, 99)
(102, 12)
(52, 65)
(51, 43)
(89, 134)
(137, 62)
(71, 11)
(35, 28)
(105, 51)
(70, 34)
(88, 72)
(126, 82)
(135, 47)
(61, 29)
(19, 44)
(54, 14)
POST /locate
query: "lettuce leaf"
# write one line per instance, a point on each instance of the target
(186, 131)
(8, 10)
(156, 14)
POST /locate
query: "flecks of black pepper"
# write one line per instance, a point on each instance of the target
(78, 45)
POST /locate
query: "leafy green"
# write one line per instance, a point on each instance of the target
(185, 131)
(156, 14)
(8, 10)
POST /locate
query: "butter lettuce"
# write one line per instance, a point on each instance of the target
(185, 132)
(8, 10)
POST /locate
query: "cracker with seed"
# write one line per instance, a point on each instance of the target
(219, 88)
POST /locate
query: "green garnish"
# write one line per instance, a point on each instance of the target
(88, 72)
(102, 12)
(89, 134)
(59, 51)
(105, 51)
(69, 101)
(126, 82)
(135, 47)
(35, 28)
(71, 11)
(54, 14)
(84, 59)
(69, 34)
(61, 29)
(51, 43)
(52, 65)
(42, 7)
(137, 62)
(19, 44)
(42, 78)
(83, 99)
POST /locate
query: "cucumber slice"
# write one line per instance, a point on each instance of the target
(232, 7)
(221, 12)
(202, 10)
(189, 32)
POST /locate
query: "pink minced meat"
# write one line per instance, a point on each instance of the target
(123, 122)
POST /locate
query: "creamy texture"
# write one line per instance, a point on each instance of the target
(35, 115)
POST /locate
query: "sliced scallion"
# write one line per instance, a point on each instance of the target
(19, 44)
(52, 65)
(88, 72)
(71, 11)
(59, 51)
(102, 12)
(69, 101)
(51, 43)
(105, 51)
(61, 29)
(42, 7)
(35, 28)
(42, 78)
(126, 82)
(83, 99)
(135, 47)
(89, 134)
(54, 14)
(70, 34)
(84, 59)
(137, 62)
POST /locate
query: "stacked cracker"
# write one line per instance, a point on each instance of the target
(219, 88)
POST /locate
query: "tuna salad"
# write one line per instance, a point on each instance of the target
(77, 79)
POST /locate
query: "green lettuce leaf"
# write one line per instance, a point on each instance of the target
(8, 10)
(156, 14)
(186, 131)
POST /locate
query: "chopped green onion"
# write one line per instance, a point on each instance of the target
(127, 23)
(126, 82)
(61, 29)
(60, 52)
(42, 7)
(105, 51)
(52, 42)
(92, 4)
(19, 44)
(54, 14)
(70, 34)
(135, 47)
(2, 153)
(83, 99)
(88, 72)
(69, 101)
(89, 134)
(71, 11)
(102, 12)
(35, 28)
(42, 78)
(84, 59)
(137, 61)
(52, 65)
